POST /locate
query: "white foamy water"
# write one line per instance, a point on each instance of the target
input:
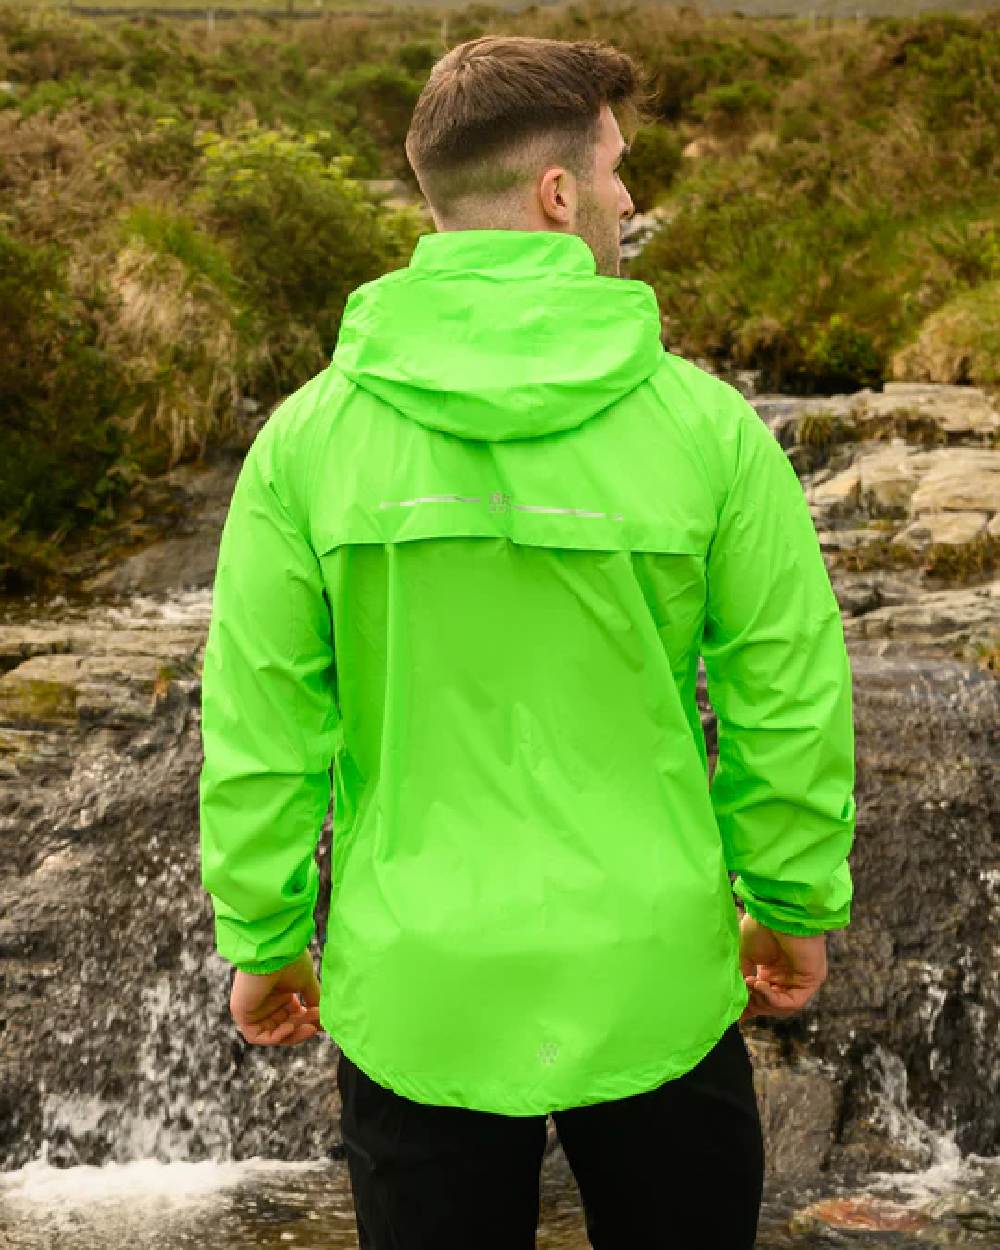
(39, 1183)
(180, 607)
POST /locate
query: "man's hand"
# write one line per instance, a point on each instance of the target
(781, 971)
(280, 1008)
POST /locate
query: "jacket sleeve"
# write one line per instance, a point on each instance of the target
(269, 724)
(779, 681)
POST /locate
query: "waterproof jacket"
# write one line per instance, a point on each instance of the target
(472, 565)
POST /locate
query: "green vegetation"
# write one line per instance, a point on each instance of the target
(943, 563)
(962, 562)
(183, 213)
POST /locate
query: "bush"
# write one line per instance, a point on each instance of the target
(167, 149)
(61, 396)
(731, 101)
(958, 342)
(179, 322)
(843, 357)
(383, 98)
(651, 165)
(301, 235)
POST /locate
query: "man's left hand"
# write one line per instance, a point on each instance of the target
(280, 1008)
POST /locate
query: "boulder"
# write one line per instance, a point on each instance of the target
(953, 528)
(958, 480)
(966, 411)
(878, 484)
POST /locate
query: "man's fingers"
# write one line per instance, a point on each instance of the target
(775, 1000)
(284, 1033)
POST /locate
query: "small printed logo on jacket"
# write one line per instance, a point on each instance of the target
(547, 1052)
(499, 501)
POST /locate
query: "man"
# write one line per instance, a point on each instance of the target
(474, 563)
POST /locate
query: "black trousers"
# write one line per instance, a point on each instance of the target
(679, 1167)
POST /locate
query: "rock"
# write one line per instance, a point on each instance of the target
(186, 558)
(959, 480)
(698, 149)
(41, 691)
(954, 618)
(879, 484)
(18, 643)
(783, 414)
(967, 411)
(944, 527)
(799, 1109)
(845, 540)
(866, 1212)
(109, 676)
(912, 1001)
(171, 564)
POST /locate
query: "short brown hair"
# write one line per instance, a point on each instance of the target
(495, 110)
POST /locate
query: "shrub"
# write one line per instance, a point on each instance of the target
(167, 149)
(384, 99)
(178, 320)
(958, 342)
(417, 58)
(843, 357)
(61, 396)
(963, 562)
(651, 165)
(733, 100)
(301, 235)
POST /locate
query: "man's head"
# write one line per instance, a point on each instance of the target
(517, 133)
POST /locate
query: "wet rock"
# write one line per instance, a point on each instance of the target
(784, 414)
(799, 1106)
(911, 1009)
(869, 1214)
(185, 559)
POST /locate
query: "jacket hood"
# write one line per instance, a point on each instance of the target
(499, 334)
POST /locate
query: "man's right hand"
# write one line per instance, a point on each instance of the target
(781, 971)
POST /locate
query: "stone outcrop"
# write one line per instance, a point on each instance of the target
(904, 489)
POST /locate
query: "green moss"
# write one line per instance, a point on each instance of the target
(37, 701)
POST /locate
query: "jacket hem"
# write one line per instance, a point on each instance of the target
(608, 1089)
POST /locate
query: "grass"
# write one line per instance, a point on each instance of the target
(805, 11)
(183, 215)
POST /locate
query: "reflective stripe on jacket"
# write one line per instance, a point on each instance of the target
(472, 565)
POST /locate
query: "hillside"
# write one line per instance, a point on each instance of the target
(185, 208)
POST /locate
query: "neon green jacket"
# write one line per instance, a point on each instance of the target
(471, 565)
